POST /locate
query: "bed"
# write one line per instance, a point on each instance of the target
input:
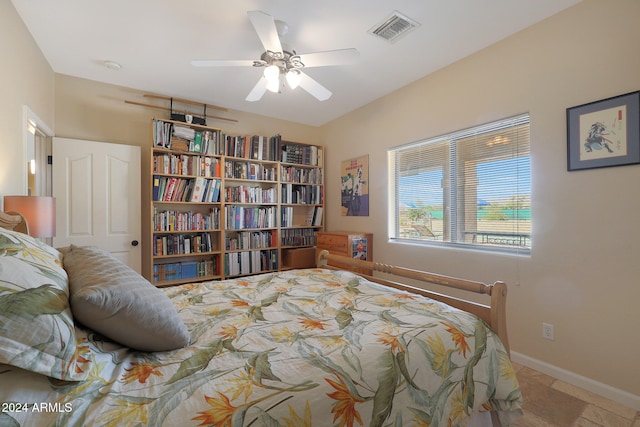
(86, 341)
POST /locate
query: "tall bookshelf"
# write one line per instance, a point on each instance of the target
(230, 205)
(301, 199)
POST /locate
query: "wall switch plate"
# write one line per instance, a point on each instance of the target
(547, 331)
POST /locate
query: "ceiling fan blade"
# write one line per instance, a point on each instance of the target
(330, 57)
(222, 63)
(258, 90)
(320, 92)
(266, 28)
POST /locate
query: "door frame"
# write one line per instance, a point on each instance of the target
(36, 141)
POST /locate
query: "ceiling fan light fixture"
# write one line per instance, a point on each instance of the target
(271, 72)
(273, 85)
(293, 78)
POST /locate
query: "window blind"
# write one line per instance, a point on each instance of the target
(468, 187)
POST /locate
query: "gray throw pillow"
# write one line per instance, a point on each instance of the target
(112, 299)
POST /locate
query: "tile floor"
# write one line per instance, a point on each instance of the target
(553, 403)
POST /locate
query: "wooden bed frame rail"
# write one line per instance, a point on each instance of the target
(14, 221)
(494, 314)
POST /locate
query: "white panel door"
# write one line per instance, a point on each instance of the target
(97, 191)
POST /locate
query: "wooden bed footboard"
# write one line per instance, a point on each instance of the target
(14, 221)
(494, 314)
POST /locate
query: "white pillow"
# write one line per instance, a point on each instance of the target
(112, 299)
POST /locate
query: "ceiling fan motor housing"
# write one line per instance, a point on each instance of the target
(284, 60)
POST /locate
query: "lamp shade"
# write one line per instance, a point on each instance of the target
(39, 211)
(293, 78)
(272, 74)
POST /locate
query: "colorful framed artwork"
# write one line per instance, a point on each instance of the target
(604, 133)
(355, 186)
(360, 249)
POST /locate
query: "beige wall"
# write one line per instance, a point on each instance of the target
(25, 80)
(584, 269)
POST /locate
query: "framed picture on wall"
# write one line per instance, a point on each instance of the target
(604, 133)
(355, 186)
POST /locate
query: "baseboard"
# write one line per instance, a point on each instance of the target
(622, 397)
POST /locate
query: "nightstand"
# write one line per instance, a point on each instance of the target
(351, 244)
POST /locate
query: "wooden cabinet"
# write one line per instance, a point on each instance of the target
(347, 243)
(226, 206)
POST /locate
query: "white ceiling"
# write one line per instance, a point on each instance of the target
(155, 40)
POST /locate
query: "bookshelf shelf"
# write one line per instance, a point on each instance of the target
(185, 255)
(248, 203)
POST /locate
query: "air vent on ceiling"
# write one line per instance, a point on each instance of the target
(394, 27)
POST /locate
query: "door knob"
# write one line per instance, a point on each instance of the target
(134, 243)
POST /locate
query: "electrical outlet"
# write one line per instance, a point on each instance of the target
(547, 331)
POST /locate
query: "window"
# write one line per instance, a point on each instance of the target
(471, 187)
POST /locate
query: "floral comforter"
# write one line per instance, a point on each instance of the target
(297, 348)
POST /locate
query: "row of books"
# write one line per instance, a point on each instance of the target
(247, 194)
(250, 262)
(198, 141)
(201, 189)
(174, 189)
(185, 270)
(184, 164)
(288, 217)
(162, 132)
(249, 170)
(183, 244)
(211, 143)
(256, 147)
(169, 220)
(315, 219)
(190, 165)
(250, 240)
(302, 154)
(301, 194)
(298, 237)
(240, 217)
(300, 175)
(206, 190)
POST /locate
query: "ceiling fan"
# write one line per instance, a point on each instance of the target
(282, 65)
